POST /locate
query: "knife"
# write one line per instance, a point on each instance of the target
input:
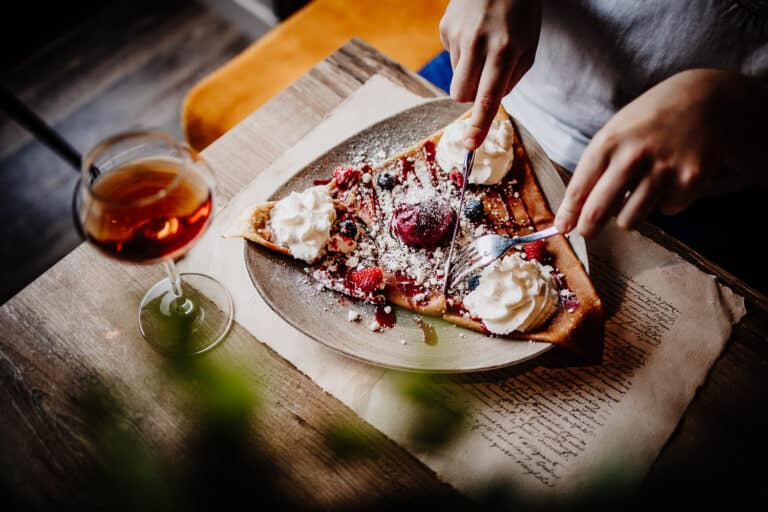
(469, 160)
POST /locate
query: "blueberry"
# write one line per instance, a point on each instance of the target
(348, 228)
(473, 281)
(474, 210)
(386, 181)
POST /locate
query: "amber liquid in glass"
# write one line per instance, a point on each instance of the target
(128, 222)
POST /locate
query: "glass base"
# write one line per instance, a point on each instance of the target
(190, 325)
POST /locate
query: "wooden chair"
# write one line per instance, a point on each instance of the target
(406, 30)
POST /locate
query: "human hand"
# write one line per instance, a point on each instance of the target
(492, 44)
(666, 148)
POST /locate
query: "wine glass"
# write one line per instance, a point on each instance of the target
(146, 198)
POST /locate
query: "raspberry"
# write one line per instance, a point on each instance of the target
(423, 225)
(571, 303)
(456, 177)
(536, 251)
(474, 210)
(368, 280)
(346, 177)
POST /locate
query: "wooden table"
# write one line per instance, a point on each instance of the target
(76, 324)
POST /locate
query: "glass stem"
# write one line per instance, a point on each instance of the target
(173, 277)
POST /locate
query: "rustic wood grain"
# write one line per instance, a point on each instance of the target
(129, 66)
(78, 322)
(94, 56)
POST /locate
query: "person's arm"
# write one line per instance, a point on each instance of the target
(492, 44)
(668, 147)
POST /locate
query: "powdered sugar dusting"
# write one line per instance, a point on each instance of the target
(425, 267)
(419, 194)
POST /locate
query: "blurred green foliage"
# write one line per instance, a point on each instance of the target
(348, 442)
(438, 418)
(128, 474)
(220, 455)
(220, 396)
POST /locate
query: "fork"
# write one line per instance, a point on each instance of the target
(487, 249)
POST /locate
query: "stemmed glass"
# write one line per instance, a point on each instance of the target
(146, 198)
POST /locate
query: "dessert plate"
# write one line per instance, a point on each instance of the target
(413, 344)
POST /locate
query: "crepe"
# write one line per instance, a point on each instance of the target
(377, 199)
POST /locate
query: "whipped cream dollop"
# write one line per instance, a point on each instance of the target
(302, 222)
(513, 295)
(493, 158)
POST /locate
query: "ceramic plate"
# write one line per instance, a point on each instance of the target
(322, 314)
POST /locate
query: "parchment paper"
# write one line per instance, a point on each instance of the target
(550, 429)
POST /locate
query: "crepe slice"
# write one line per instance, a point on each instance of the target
(402, 209)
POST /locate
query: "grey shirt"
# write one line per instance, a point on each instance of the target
(595, 56)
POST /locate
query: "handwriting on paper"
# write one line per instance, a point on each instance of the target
(542, 416)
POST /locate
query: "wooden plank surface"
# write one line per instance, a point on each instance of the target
(77, 323)
(129, 65)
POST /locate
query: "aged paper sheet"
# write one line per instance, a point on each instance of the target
(546, 426)
(553, 429)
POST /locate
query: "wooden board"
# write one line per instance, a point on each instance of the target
(129, 64)
(77, 323)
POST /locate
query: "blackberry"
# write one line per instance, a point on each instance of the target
(473, 281)
(348, 228)
(474, 210)
(386, 181)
